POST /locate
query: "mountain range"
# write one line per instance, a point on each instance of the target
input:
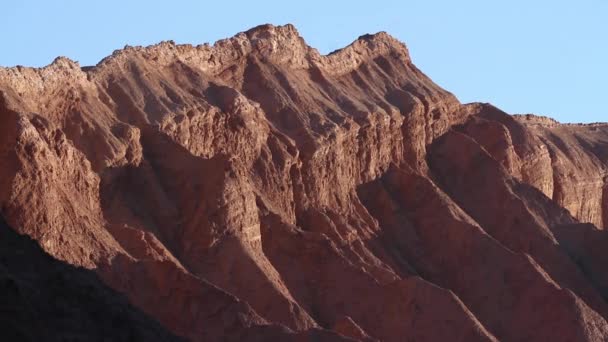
(257, 190)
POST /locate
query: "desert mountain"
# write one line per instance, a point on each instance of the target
(258, 190)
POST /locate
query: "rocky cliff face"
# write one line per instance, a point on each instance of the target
(256, 189)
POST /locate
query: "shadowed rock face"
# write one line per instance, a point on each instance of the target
(257, 190)
(44, 299)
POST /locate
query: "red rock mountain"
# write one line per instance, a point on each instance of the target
(258, 190)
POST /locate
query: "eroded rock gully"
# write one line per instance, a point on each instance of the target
(256, 190)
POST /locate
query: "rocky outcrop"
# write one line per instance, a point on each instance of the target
(578, 164)
(256, 190)
(45, 299)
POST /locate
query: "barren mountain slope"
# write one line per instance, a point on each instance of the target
(257, 189)
(43, 300)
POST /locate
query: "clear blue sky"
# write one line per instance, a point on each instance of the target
(535, 56)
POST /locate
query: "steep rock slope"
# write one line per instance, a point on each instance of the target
(45, 299)
(255, 189)
(579, 155)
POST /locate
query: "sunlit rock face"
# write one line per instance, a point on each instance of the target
(257, 190)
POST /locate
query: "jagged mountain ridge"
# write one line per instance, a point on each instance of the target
(256, 185)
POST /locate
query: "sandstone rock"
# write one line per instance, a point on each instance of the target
(45, 299)
(347, 327)
(258, 190)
